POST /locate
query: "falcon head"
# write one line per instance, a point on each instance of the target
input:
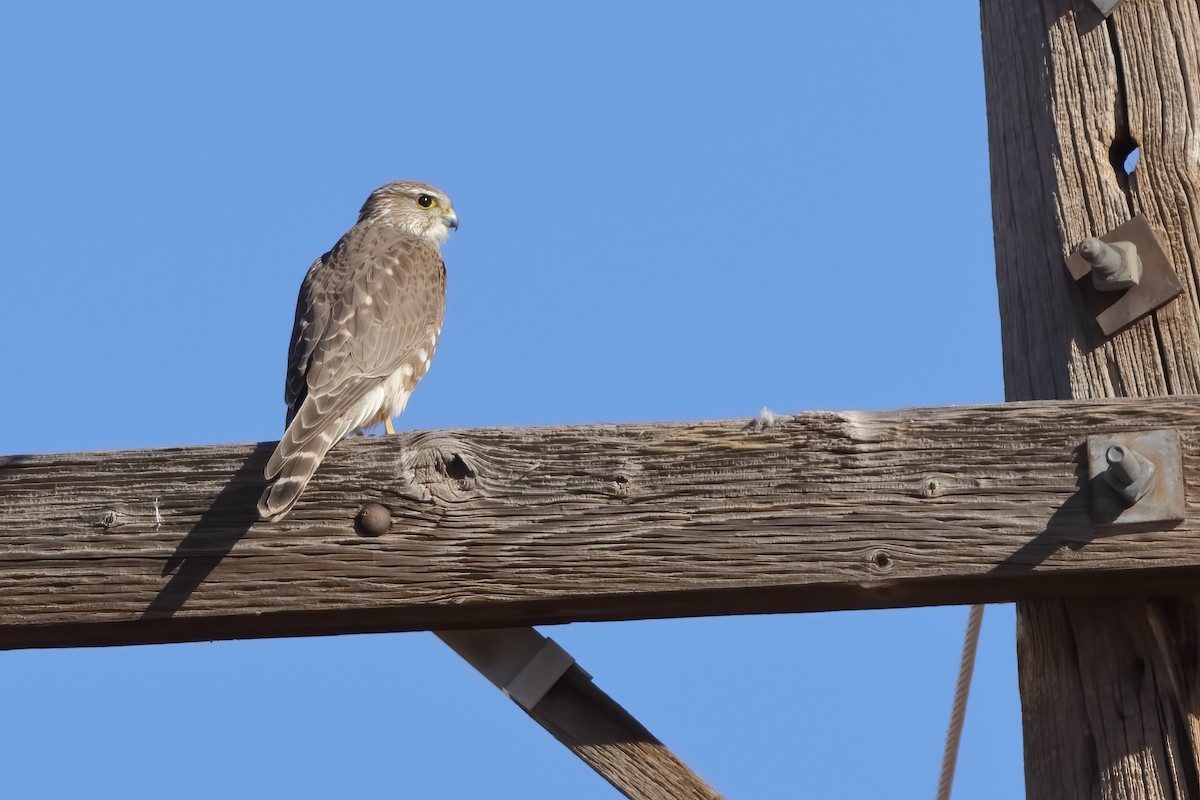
(416, 207)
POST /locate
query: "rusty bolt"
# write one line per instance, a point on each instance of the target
(373, 519)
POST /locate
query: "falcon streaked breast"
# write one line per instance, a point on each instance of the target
(367, 321)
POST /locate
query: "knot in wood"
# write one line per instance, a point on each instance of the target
(447, 466)
(456, 468)
(881, 561)
(619, 485)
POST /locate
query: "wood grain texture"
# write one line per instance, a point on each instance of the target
(509, 527)
(610, 741)
(561, 697)
(1108, 688)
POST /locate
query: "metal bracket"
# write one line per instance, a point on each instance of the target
(1106, 6)
(1157, 285)
(519, 661)
(540, 673)
(1136, 477)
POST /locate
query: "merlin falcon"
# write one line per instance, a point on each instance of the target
(367, 321)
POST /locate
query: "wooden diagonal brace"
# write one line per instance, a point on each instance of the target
(547, 684)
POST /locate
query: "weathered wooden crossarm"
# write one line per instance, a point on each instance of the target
(507, 527)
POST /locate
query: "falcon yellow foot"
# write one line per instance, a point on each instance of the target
(387, 425)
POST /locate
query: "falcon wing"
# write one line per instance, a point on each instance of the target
(365, 309)
(376, 303)
(312, 319)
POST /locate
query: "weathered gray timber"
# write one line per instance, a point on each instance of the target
(508, 527)
(1109, 688)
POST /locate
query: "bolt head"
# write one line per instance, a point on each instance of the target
(373, 519)
(1114, 455)
(1091, 248)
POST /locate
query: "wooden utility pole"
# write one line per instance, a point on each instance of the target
(1108, 687)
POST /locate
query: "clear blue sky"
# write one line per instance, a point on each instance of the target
(669, 212)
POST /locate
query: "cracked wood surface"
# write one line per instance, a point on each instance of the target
(510, 527)
(1109, 689)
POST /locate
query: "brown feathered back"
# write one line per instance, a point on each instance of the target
(367, 322)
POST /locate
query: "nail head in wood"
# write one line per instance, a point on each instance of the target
(373, 519)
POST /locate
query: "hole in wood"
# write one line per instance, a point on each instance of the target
(1131, 160)
(1124, 155)
(457, 469)
(882, 560)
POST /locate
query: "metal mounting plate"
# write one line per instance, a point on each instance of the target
(1166, 502)
(1159, 284)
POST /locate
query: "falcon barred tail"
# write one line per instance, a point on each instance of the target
(294, 461)
(367, 322)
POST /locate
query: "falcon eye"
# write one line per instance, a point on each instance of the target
(425, 201)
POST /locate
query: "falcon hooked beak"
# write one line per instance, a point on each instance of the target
(451, 219)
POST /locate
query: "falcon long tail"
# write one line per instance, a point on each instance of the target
(293, 463)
